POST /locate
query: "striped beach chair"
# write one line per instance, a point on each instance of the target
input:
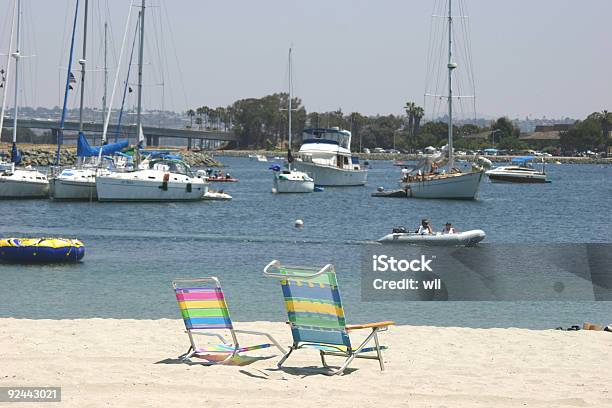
(316, 316)
(204, 311)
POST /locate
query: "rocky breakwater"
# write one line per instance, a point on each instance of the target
(45, 155)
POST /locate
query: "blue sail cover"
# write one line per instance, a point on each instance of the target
(522, 159)
(15, 155)
(85, 150)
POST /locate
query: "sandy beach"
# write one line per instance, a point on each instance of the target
(129, 363)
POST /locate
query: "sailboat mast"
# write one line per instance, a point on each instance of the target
(60, 134)
(105, 70)
(8, 68)
(140, 64)
(83, 61)
(451, 67)
(16, 55)
(289, 157)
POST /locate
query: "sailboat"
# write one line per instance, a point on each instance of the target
(163, 178)
(451, 183)
(79, 182)
(18, 182)
(291, 180)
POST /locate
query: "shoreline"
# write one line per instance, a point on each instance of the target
(401, 156)
(125, 363)
(44, 155)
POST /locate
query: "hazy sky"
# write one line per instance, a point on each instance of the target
(544, 57)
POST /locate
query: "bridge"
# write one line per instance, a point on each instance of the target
(152, 134)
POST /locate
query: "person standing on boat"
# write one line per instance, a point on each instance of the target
(448, 229)
(425, 228)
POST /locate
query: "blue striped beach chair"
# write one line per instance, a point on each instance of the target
(204, 311)
(316, 315)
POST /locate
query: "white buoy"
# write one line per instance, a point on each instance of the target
(298, 224)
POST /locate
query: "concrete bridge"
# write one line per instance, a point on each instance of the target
(152, 134)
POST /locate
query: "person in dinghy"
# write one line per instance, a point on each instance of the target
(449, 229)
(424, 228)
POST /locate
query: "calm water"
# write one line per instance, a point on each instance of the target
(135, 250)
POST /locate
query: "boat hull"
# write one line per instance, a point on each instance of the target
(467, 238)
(122, 189)
(524, 179)
(60, 189)
(293, 186)
(458, 187)
(332, 176)
(14, 188)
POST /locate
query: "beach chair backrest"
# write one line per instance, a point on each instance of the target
(202, 304)
(313, 304)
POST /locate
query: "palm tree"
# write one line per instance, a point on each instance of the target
(200, 112)
(191, 113)
(419, 112)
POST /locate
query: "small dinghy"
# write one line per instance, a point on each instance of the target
(222, 179)
(397, 193)
(41, 250)
(216, 196)
(401, 236)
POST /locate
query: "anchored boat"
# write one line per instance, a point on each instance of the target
(521, 171)
(326, 156)
(467, 238)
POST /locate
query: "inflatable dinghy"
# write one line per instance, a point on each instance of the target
(467, 238)
(216, 196)
(41, 250)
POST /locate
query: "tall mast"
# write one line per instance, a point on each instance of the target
(140, 64)
(60, 134)
(17, 55)
(83, 61)
(451, 66)
(8, 69)
(105, 70)
(289, 157)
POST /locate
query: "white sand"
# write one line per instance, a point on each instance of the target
(105, 362)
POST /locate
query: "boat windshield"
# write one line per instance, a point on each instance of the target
(172, 166)
(322, 135)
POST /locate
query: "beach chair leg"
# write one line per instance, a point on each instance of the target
(323, 359)
(186, 354)
(378, 351)
(354, 353)
(285, 357)
(345, 365)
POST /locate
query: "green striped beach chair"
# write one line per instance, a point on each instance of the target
(316, 315)
(204, 310)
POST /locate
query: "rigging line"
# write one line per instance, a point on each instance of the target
(118, 130)
(158, 40)
(172, 42)
(110, 105)
(8, 67)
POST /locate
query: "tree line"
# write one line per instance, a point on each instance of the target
(261, 123)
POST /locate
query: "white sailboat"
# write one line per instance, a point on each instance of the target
(451, 183)
(18, 182)
(163, 179)
(291, 180)
(79, 182)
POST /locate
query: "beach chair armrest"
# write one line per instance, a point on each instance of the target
(256, 333)
(376, 325)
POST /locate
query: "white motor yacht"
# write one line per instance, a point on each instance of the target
(325, 154)
(521, 171)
